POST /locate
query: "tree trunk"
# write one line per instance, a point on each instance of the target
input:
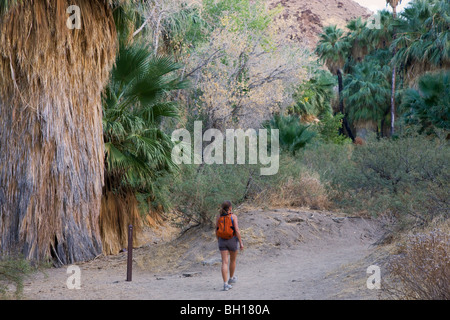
(341, 107)
(393, 102)
(340, 88)
(393, 83)
(51, 145)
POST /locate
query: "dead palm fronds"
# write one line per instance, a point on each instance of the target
(118, 211)
(51, 147)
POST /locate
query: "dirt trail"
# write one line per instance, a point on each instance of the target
(289, 254)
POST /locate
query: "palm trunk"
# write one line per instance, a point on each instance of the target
(340, 88)
(341, 107)
(393, 102)
(393, 83)
(51, 146)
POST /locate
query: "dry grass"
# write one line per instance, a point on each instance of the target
(252, 238)
(305, 190)
(421, 267)
(51, 148)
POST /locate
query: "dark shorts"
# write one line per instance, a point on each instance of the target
(230, 244)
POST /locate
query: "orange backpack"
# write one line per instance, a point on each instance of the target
(225, 227)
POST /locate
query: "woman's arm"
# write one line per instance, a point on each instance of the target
(238, 232)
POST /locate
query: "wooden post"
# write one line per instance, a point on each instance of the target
(130, 253)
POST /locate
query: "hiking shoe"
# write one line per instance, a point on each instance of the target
(226, 287)
(232, 280)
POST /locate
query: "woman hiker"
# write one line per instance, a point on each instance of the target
(229, 239)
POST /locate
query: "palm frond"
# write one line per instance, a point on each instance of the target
(293, 135)
(333, 48)
(367, 91)
(428, 105)
(134, 105)
(423, 33)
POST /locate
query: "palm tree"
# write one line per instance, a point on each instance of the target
(293, 134)
(393, 4)
(367, 92)
(51, 148)
(422, 41)
(367, 44)
(357, 38)
(429, 105)
(333, 49)
(137, 150)
(380, 38)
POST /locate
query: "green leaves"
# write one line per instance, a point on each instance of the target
(423, 39)
(429, 105)
(243, 14)
(135, 103)
(333, 48)
(293, 134)
(141, 78)
(367, 91)
(329, 129)
(314, 96)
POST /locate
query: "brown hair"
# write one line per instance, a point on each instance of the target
(226, 205)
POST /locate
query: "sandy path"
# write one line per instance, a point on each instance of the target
(289, 255)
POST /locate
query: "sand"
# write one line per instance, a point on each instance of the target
(289, 254)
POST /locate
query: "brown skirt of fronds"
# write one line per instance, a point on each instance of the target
(154, 215)
(51, 148)
(117, 213)
(154, 218)
(419, 68)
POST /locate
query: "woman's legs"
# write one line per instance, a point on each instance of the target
(224, 254)
(233, 255)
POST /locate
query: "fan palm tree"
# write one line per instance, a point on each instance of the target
(394, 4)
(423, 37)
(137, 150)
(429, 105)
(357, 39)
(292, 133)
(367, 93)
(380, 38)
(51, 148)
(333, 50)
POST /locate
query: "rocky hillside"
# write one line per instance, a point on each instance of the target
(306, 18)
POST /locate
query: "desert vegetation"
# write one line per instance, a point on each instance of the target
(86, 117)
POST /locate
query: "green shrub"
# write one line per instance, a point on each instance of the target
(329, 127)
(404, 177)
(13, 271)
(198, 191)
(329, 160)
